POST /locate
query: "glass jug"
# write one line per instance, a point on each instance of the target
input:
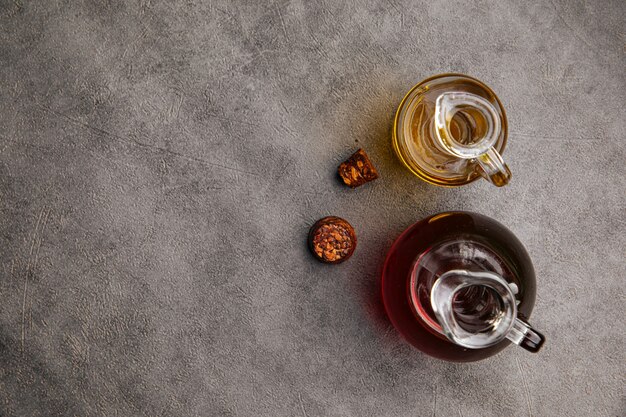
(460, 286)
(451, 129)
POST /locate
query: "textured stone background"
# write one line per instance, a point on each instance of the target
(161, 162)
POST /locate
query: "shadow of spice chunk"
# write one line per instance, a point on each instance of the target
(357, 170)
(332, 240)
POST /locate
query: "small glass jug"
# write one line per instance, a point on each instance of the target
(460, 286)
(451, 129)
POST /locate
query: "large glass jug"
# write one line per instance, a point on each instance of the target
(460, 286)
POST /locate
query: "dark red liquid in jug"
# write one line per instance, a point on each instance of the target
(454, 240)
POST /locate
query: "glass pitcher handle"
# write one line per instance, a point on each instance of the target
(481, 149)
(525, 336)
(493, 168)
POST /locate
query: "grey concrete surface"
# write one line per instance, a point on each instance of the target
(161, 162)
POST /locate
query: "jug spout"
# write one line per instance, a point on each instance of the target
(468, 126)
(478, 309)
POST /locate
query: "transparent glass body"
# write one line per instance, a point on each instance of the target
(460, 286)
(451, 129)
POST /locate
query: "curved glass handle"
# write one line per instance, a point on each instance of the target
(482, 148)
(525, 336)
(493, 168)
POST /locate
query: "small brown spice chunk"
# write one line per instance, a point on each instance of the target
(357, 170)
(332, 240)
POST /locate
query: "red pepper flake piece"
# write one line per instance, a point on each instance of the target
(332, 240)
(357, 170)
